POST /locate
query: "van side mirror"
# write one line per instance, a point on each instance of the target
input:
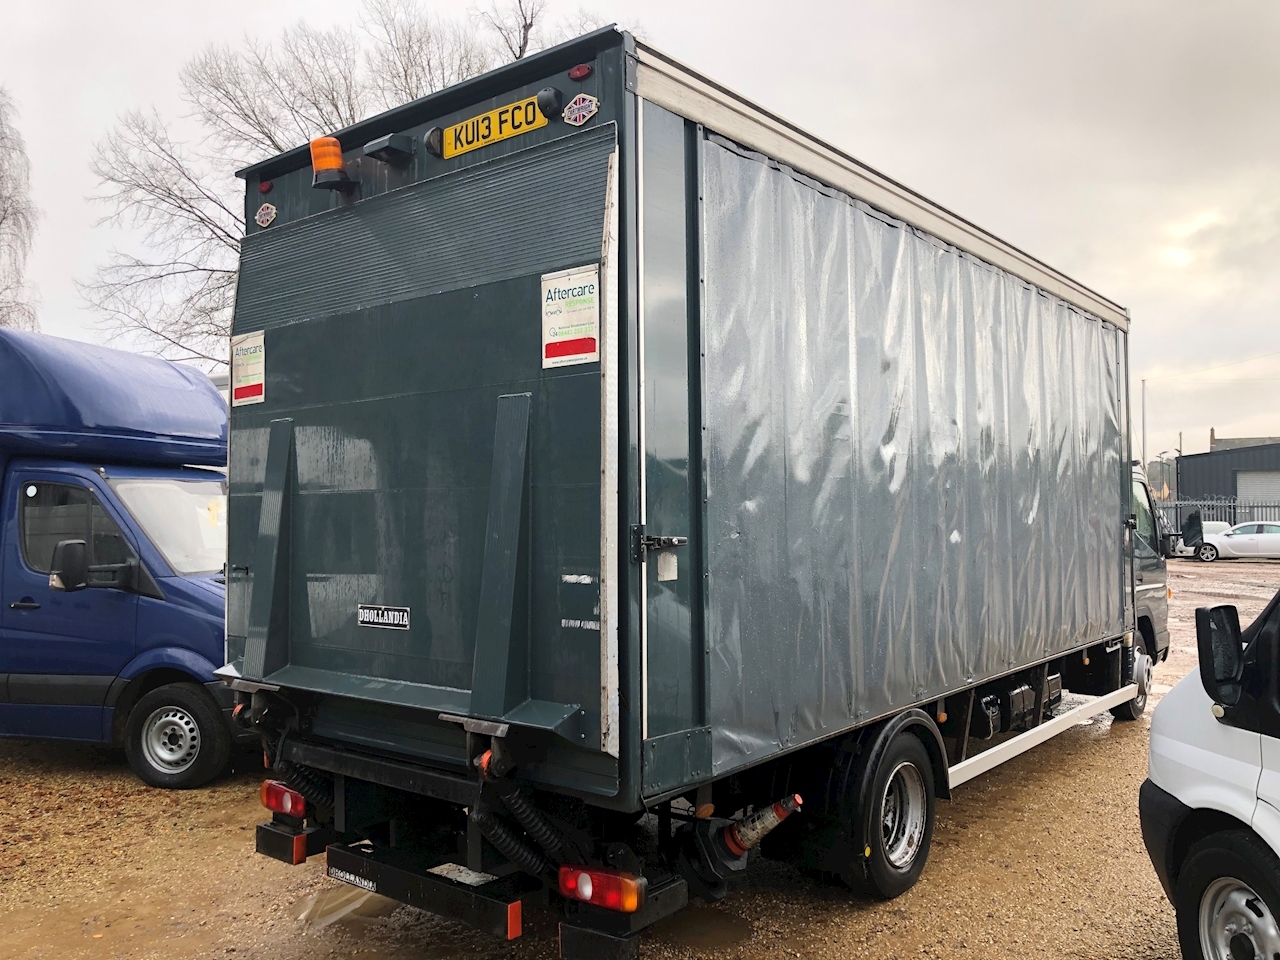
(1167, 542)
(1221, 658)
(1192, 530)
(69, 570)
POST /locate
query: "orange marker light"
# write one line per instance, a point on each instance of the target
(328, 171)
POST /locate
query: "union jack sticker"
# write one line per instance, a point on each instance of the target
(580, 109)
(266, 213)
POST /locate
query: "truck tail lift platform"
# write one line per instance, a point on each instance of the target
(622, 479)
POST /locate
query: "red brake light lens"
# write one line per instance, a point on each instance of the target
(279, 798)
(610, 889)
(580, 72)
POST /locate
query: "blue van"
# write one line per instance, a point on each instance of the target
(112, 546)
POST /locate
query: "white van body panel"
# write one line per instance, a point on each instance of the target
(1205, 764)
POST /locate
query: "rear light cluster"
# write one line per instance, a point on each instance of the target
(604, 888)
(280, 798)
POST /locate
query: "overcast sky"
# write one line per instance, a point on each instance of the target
(1133, 145)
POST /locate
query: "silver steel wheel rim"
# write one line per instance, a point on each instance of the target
(1207, 552)
(170, 740)
(1235, 923)
(904, 813)
(1142, 676)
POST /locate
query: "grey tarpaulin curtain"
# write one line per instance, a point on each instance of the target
(915, 463)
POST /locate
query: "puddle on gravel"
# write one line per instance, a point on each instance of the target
(347, 905)
(701, 927)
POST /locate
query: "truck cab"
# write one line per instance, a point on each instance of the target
(111, 556)
(1152, 543)
(1210, 807)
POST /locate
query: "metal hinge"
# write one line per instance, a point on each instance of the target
(642, 542)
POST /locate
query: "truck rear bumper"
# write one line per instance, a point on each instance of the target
(1160, 813)
(495, 907)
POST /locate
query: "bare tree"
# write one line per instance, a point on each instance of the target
(514, 22)
(17, 223)
(179, 296)
(250, 103)
(415, 53)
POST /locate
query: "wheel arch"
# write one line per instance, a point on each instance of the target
(129, 692)
(922, 726)
(1197, 825)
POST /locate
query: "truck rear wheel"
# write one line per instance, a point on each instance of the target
(900, 821)
(1228, 899)
(175, 737)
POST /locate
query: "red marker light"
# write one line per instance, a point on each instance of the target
(265, 186)
(610, 889)
(580, 72)
(279, 798)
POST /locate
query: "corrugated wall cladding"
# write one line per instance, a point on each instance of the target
(456, 231)
(915, 464)
(1204, 475)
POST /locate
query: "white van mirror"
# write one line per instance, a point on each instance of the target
(1221, 659)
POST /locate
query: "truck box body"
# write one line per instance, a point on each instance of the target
(897, 447)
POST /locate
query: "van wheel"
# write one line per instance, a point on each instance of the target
(1207, 552)
(1228, 899)
(175, 737)
(899, 824)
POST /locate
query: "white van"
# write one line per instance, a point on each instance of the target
(1210, 806)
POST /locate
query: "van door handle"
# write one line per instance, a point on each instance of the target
(1138, 577)
(26, 603)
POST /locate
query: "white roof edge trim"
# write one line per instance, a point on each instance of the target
(675, 87)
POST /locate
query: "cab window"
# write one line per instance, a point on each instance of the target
(51, 512)
(1146, 531)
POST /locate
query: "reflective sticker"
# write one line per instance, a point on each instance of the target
(248, 369)
(571, 317)
(265, 215)
(580, 109)
(668, 565)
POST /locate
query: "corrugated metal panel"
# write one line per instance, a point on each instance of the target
(457, 231)
(1209, 475)
(1258, 485)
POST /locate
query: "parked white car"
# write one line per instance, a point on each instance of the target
(1244, 540)
(1210, 807)
(1214, 527)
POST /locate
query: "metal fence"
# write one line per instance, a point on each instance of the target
(1228, 510)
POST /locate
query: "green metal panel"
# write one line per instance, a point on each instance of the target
(672, 632)
(392, 379)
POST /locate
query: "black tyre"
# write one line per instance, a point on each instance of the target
(176, 738)
(1135, 708)
(1207, 552)
(1228, 899)
(898, 821)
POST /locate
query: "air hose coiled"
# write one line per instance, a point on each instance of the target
(529, 817)
(511, 846)
(312, 784)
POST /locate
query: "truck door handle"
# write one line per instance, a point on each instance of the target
(26, 603)
(1138, 577)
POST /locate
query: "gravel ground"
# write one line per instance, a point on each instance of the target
(1040, 856)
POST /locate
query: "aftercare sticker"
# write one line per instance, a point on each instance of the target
(580, 109)
(571, 317)
(386, 618)
(248, 369)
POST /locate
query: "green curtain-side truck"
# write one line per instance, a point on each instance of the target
(622, 479)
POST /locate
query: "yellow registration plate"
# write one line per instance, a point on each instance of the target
(493, 127)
